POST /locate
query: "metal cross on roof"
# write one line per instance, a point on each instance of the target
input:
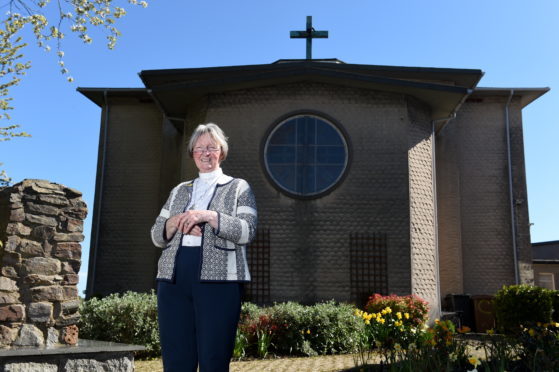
(309, 34)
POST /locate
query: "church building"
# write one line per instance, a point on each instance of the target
(368, 179)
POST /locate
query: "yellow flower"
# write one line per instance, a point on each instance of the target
(532, 332)
(399, 315)
(367, 321)
(308, 331)
(490, 331)
(397, 347)
(406, 315)
(539, 324)
(388, 309)
(381, 320)
(474, 361)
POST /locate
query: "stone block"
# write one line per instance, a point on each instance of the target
(43, 232)
(68, 250)
(69, 334)
(78, 203)
(73, 225)
(72, 193)
(11, 259)
(12, 313)
(54, 200)
(54, 187)
(47, 248)
(17, 215)
(29, 335)
(39, 312)
(10, 272)
(8, 285)
(71, 279)
(30, 248)
(66, 308)
(50, 293)
(117, 364)
(41, 220)
(12, 243)
(80, 213)
(53, 336)
(31, 367)
(69, 320)
(67, 268)
(9, 298)
(7, 335)
(34, 280)
(15, 198)
(72, 237)
(18, 228)
(70, 292)
(41, 266)
(36, 189)
(43, 209)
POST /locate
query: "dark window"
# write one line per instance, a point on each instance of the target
(305, 155)
(368, 266)
(258, 257)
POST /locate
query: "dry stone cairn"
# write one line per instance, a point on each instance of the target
(41, 226)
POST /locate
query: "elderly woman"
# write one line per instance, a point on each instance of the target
(203, 229)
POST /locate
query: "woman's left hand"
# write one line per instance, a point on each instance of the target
(196, 217)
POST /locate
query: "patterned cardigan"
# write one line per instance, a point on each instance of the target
(223, 254)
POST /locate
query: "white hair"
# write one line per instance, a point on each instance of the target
(215, 133)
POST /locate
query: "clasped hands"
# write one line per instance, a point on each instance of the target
(189, 222)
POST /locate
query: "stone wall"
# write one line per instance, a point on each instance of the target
(41, 225)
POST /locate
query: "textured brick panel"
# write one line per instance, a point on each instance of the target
(424, 270)
(485, 213)
(309, 240)
(125, 257)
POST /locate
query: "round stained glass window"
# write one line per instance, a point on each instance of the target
(305, 155)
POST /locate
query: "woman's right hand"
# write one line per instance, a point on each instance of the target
(178, 223)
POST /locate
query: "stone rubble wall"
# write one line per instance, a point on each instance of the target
(41, 227)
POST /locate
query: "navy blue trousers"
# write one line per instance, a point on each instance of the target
(197, 320)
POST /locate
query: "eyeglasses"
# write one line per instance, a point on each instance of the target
(201, 150)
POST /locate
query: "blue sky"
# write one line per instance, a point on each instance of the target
(513, 42)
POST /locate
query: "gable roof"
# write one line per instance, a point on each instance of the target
(441, 88)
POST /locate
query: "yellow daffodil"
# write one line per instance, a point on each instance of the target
(532, 332)
(367, 321)
(474, 361)
(490, 331)
(397, 347)
(399, 315)
(308, 331)
(406, 315)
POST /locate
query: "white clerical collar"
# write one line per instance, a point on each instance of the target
(212, 176)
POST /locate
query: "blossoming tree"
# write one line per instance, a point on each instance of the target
(49, 21)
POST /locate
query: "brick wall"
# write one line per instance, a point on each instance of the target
(310, 239)
(125, 258)
(424, 265)
(473, 164)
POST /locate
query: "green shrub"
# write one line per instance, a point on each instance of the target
(293, 329)
(128, 318)
(522, 305)
(555, 314)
